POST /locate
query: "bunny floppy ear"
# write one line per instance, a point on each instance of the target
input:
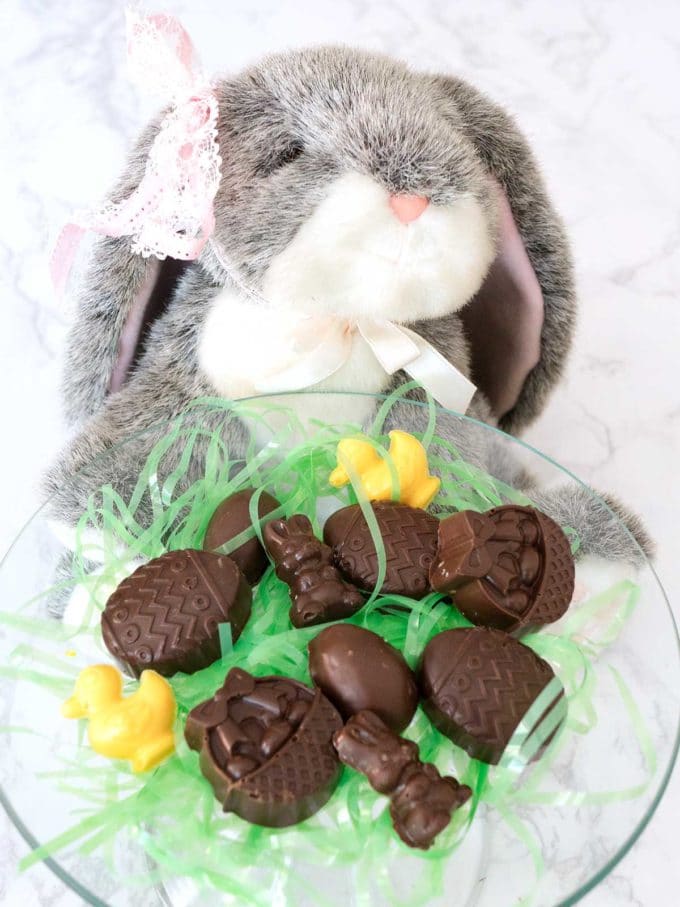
(520, 323)
(116, 286)
(159, 216)
(504, 320)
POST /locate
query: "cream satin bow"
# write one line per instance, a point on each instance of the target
(317, 347)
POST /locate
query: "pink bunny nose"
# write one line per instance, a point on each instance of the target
(408, 207)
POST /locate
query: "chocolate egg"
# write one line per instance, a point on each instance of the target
(166, 615)
(410, 539)
(478, 684)
(230, 519)
(356, 669)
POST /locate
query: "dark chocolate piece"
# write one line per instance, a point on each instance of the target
(166, 614)
(478, 684)
(358, 670)
(508, 568)
(230, 519)
(422, 802)
(317, 590)
(266, 747)
(410, 539)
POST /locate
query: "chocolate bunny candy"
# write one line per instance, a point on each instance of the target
(421, 800)
(318, 591)
(337, 166)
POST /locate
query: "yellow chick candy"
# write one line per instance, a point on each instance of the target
(416, 486)
(137, 727)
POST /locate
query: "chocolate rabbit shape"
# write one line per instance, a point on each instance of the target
(305, 564)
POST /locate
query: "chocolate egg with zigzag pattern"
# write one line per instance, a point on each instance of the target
(409, 539)
(482, 688)
(166, 615)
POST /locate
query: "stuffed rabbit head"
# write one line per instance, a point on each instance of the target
(348, 188)
(352, 186)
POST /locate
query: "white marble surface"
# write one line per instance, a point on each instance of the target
(594, 84)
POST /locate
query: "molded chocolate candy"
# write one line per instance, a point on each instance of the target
(478, 684)
(410, 539)
(358, 670)
(266, 747)
(421, 800)
(317, 590)
(230, 519)
(508, 568)
(166, 614)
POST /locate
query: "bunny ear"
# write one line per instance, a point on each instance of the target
(169, 209)
(504, 320)
(120, 292)
(520, 324)
(147, 306)
(159, 216)
(274, 534)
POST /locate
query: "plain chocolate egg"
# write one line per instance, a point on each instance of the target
(356, 669)
(230, 519)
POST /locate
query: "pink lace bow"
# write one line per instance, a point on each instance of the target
(171, 210)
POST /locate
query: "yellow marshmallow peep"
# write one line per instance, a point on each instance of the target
(136, 727)
(417, 487)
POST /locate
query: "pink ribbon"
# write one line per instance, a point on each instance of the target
(170, 213)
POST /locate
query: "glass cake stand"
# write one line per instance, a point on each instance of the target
(591, 805)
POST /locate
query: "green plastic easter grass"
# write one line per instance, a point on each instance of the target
(171, 812)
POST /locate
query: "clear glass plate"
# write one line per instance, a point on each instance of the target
(630, 746)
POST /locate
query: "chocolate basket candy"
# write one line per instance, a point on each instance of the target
(265, 746)
(508, 568)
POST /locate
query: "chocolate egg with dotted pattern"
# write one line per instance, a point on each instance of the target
(409, 537)
(166, 615)
(479, 684)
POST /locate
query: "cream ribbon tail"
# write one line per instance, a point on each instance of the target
(317, 348)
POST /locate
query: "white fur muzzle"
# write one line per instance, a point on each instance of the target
(354, 258)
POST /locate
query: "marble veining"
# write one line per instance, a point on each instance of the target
(593, 84)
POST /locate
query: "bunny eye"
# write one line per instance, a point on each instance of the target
(286, 156)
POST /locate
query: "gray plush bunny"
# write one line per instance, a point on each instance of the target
(351, 186)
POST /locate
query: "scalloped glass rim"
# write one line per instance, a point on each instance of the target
(627, 844)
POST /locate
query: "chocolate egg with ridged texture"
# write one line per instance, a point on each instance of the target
(230, 519)
(409, 537)
(167, 614)
(479, 686)
(356, 669)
